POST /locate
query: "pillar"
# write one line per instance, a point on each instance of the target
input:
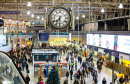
(73, 23)
(105, 26)
(60, 71)
(40, 70)
(82, 28)
(112, 76)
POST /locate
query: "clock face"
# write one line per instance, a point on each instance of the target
(59, 18)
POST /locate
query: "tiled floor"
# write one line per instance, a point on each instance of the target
(106, 72)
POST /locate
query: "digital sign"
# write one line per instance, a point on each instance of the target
(107, 41)
(119, 43)
(92, 39)
(123, 44)
(2, 40)
(120, 68)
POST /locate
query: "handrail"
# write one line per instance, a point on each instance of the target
(15, 66)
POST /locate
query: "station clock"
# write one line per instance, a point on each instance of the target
(59, 18)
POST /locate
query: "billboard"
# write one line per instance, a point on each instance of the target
(123, 44)
(107, 41)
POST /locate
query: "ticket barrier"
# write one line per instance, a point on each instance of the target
(62, 71)
(36, 72)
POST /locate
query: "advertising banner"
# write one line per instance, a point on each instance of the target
(107, 41)
(123, 44)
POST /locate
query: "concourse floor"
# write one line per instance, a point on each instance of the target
(106, 72)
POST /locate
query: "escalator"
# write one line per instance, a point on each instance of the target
(9, 73)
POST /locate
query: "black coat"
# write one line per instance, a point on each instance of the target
(28, 79)
(71, 72)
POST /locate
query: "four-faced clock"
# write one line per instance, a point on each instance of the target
(59, 18)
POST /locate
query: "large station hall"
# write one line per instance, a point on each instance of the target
(64, 41)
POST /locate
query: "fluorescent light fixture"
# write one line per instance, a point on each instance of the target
(102, 11)
(83, 16)
(120, 5)
(28, 12)
(42, 18)
(32, 15)
(38, 17)
(77, 17)
(9, 19)
(29, 4)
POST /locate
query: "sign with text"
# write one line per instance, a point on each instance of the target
(117, 67)
(9, 12)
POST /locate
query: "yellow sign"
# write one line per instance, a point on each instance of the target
(117, 67)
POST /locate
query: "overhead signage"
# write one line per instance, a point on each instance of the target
(9, 12)
(117, 67)
(1, 22)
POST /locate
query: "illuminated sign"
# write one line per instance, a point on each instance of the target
(117, 67)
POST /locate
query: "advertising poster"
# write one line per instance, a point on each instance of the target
(91, 39)
(123, 44)
(115, 42)
(108, 42)
(95, 39)
(2, 40)
(100, 40)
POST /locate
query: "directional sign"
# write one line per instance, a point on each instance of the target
(9, 12)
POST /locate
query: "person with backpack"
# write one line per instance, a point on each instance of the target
(121, 80)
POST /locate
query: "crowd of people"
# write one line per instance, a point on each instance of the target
(20, 58)
(87, 67)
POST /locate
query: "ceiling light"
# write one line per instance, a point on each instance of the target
(29, 4)
(102, 10)
(32, 15)
(42, 18)
(120, 5)
(38, 17)
(9, 19)
(28, 12)
(83, 16)
(77, 17)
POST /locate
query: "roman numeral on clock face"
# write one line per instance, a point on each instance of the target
(59, 18)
